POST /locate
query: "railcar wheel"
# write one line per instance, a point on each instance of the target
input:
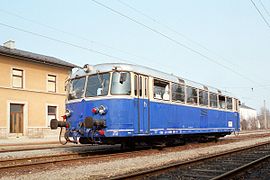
(129, 145)
(84, 140)
(202, 139)
(123, 146)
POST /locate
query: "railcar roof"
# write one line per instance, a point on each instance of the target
(144, 71)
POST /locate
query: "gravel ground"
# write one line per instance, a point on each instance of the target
(247, 133)
(116, 167)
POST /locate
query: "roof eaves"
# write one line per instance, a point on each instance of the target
(33, 57)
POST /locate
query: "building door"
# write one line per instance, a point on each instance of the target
(16, 118)
(142, 94)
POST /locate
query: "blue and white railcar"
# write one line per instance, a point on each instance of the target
(119, 103)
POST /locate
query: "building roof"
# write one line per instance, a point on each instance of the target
(246, 107)
(33, 57)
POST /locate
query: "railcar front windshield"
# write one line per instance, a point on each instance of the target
(98, 85)
(121, 83)
(76, 88)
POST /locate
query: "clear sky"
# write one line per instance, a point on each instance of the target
(230, 33)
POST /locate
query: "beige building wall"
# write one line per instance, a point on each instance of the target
(34, 96)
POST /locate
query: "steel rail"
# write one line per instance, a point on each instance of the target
(73, 157)
(29, 144)
(182, 163)
(42, 148)
(241, 168)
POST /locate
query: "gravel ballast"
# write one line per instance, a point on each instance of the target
(122, 166)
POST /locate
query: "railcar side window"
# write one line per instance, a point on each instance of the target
(237, 104)
(161, 90)
(213, 100)
(178, 92)
(229, 103)
(222, 102)
(140, 86)
(203, 98)
(121, 83)
(98, 85)
(146, 87)
(192, 95)
(76, 88)
(135, 85)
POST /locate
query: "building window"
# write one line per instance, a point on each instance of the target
(17, 78)
(51, 114)
(51, 83)
(161, 90)
(178, 93)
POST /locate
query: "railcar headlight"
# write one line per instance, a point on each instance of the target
(102, 110)
(95, 110)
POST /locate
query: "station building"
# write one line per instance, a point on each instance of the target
(250, 116)
(32, 92)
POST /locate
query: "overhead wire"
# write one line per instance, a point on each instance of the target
(265, 9)
(65, 42)
(175, 31)
(78, 36)
(261, 14)
(85, 48)
(174, 41)
(68, 33)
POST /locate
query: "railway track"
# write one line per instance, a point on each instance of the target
(219, 166)
(9, 165)
(55, 145)
(29, 144)
(92, 155)
(38, 162)
(43, 147)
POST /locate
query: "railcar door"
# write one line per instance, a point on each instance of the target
(142, 94)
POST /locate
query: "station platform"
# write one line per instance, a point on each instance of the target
(27, 140)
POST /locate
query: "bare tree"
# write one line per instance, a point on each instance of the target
(261, 117)
(244, 124)
(253, 123)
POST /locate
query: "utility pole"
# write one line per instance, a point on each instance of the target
(265, 120)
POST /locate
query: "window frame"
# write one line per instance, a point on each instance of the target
(47, 113)
(208, 100)
(193, 88)
(135, 85)
(146, 86)
(68, 87)
(84, 95)
(231, 109)
(184, 88)
(51, 81)
(169, 88)
(18, 76)
(217, 103)
(111, 81)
